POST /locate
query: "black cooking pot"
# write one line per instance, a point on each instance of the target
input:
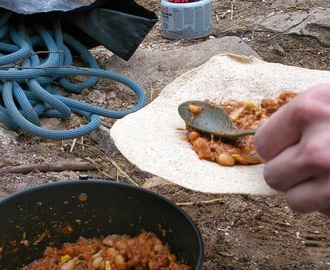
(56, 213)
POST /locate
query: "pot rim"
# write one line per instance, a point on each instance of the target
(142, 190)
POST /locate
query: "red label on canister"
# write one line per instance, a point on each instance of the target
(182, 1)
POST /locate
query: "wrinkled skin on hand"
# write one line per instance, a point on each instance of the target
(294, 144)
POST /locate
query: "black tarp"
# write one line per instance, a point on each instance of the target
(118, 25)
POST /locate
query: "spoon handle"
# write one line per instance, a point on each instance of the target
(248, 132)
(241, 133)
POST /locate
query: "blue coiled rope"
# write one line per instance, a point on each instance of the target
(27, 80)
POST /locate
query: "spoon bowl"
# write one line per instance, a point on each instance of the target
(210, 119)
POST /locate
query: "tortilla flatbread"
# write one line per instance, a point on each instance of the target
(152, 140)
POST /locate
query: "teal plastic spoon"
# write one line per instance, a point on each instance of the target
(211, 119)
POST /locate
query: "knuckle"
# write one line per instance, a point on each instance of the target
(314, 155)
(303, 113)
(309, 106)
(271, 180)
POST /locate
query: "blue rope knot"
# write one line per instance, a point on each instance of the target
(27, 80)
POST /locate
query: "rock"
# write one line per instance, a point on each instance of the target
(101, 136)
(53, 123)
(155, 182)
(156, 69)
(315, 23)
(282, 22)
(97, 96)
(7, 137)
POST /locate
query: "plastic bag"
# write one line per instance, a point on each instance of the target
(118, 25)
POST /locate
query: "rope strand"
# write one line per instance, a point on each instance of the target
(26, 79)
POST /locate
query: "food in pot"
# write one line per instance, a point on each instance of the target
(246, 115)
(114, 252)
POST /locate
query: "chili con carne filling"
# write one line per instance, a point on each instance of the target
(246, 115)
(114, 252)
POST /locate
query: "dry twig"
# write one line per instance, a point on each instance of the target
(58, 166)
(203, 202)
(232, 10)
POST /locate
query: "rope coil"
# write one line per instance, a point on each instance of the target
(27, 80)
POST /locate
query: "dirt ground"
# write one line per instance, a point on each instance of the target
(239, 232)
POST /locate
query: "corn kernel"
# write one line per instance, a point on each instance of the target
(107, 265)
(65, 258)
(248, 103)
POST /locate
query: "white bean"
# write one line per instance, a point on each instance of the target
(109, 241)
(97, 262)
(119, 262)
(69, 265)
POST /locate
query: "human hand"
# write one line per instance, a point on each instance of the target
(294, 144)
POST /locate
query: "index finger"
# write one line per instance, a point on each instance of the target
(284, 128)
(276, 134)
